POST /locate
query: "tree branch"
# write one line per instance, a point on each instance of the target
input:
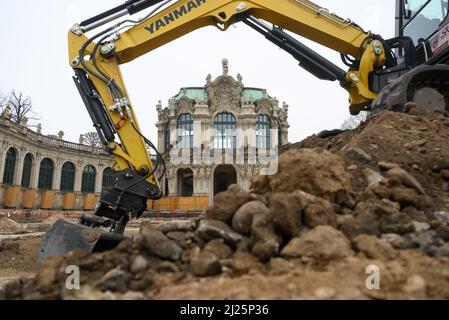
(21, 106)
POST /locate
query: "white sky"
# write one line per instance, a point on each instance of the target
(34, 60)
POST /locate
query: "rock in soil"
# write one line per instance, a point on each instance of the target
(139, 264)
(320, 245)
(375, 248)
(243, 218)
(176, 226)
(286, 211)
(205, 264)
(405, 178)
(214, 229)
(157, 244)
(115, 280)
(218, 248)
(265, 242)
(227, 203)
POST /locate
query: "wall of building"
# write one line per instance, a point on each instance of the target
(225, 94)
(25, 141)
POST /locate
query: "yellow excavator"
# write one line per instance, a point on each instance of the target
(382, 74)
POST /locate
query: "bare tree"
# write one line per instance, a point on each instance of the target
(21, 106)
(3, 100)
(354, 121)
(92, 139)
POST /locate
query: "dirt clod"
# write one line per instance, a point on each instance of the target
(227, 203)
(156, 243)
(243, 218)
(375, 248)
(320, 245)
(205, 264)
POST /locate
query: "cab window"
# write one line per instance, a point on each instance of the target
(425, 19)
(414, 5)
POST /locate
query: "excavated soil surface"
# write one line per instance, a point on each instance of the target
(360, 215)
(9, 227)
(18, 258)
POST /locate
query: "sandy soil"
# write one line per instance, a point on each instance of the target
(18, 258)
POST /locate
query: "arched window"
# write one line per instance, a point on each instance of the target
(46, 175)
(263, 132)
(224, 176)
(225, 131)
(10, 167)
(68, 177)
(280, 142)
(167, 137)
(108, 178)
(166, 189)
(185, 182)
(185, 131)
(26, 173)
(88, 182)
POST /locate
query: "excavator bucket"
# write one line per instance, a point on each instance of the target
(64, 237)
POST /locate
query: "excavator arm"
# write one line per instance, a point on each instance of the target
(182, 17)
(96, 61)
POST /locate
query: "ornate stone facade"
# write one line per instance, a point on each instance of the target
(32, 161)
(206, 117)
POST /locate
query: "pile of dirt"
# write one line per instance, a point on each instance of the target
(9, 227)
(369, 202)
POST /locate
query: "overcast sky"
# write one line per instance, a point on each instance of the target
(34, 60)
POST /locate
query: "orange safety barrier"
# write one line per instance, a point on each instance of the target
(69, 201)
(47, 198)
(178, 204)
(12, 197)
(89, 201)
(29, 197)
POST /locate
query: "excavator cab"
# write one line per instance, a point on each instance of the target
(426, 22)
(425, 25)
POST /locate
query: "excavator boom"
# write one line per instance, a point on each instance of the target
(372, 65)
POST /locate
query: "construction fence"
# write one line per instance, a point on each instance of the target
(15, 197)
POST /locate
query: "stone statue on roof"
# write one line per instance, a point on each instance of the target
(7, 112)
(24, 121)
(172, 103)
(225, 63)
(240, 78)
(159, 106)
